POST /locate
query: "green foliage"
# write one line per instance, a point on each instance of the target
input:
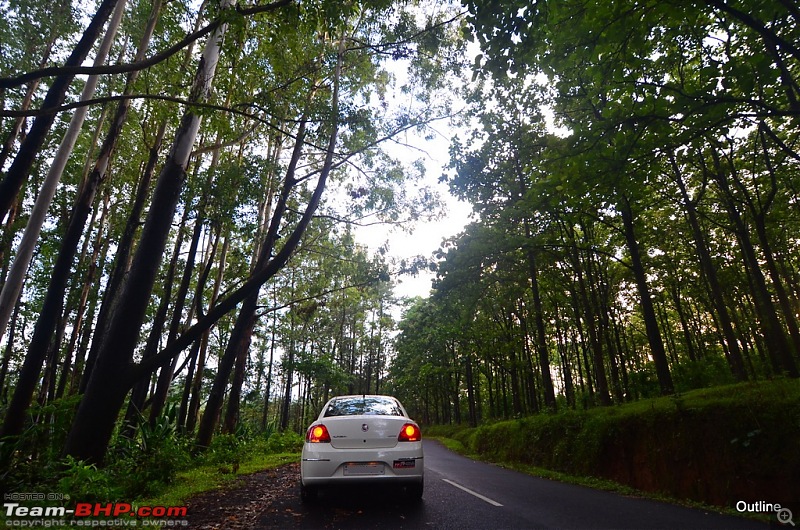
(225, 449)
(711, 445)
(33, 457)
(276, 70)
(86, 483)
(145, 462)
(209, 477)
(285, 442)
(607, 147)
(702, 374)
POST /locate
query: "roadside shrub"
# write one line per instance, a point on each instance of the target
(224, 449)
(33, 456)
(712, 445)
(285, 442)
(150, 458)
(711, 371)
(85, 482)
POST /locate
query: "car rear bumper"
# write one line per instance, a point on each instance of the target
(321, 465)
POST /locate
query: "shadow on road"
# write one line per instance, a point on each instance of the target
(348, 507)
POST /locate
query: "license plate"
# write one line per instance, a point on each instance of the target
(403, 464)
(369, 468)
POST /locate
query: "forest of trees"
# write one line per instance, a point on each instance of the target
(181, 183)
(633, 168)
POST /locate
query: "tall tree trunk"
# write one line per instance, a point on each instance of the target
(89, 280)
(759, 218)
(112, 375)
(122, 255)
(707, 265)
(125, 245)
(197, 383)
(56, 94)
(648, 311)
(589, 313)
(52, 306)
(166, 375)
(22, 259)
(778, 347)
(276, 263)
(239, 341)
(138, 400)
(539, 337)
(268, 391)
(209, 254)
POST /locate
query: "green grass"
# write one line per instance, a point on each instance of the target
(211, 477)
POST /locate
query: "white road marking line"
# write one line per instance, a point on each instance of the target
(481, 497)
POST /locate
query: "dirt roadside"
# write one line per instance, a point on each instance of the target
(265, 499)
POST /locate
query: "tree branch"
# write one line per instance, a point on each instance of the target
(10, 82)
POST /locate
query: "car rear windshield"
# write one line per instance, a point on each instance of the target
(374, 406)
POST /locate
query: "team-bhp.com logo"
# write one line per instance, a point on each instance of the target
(119, 514)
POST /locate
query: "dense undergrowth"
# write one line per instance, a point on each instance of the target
(717, 445)
(152, 461)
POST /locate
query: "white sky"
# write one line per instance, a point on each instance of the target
(426, 236)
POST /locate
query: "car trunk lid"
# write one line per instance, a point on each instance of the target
(364, 432)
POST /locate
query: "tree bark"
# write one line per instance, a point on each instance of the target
(22, 259)
(707, 266)
(53, 303)
(239, 341)
(56, 94)
(112, 375)
(648, 310)
(777, 345)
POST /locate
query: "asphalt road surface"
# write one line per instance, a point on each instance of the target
(464, 494)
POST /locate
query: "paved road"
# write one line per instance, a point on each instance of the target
(464, 494)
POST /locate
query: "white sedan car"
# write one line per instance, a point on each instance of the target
(362, 439)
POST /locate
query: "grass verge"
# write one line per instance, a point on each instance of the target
(211, 477)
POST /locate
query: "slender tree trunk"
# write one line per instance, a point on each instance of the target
(112, 375)
(166, 375)
(268, 391)
(710, 272)
(648, 310)
(89, 280)
(539, 338)
(777, 345)
(9, 350)
(19, 268)
(121, 259)
(197, 384)
(275, 264)
(56, 94)
(239, 341)
(687, 332)
(52, 306)
(125, 245)
(210, 254)
(598, 363)
(138, 400)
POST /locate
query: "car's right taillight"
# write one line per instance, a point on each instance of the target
(318, 434)
(409, 433)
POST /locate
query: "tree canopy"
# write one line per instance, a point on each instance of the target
(197, 275)
(632, 169)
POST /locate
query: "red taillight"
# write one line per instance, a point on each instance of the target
(409, 433)
(318, 434)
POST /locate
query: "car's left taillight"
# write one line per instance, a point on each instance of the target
(318, 434)
(409, 433)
